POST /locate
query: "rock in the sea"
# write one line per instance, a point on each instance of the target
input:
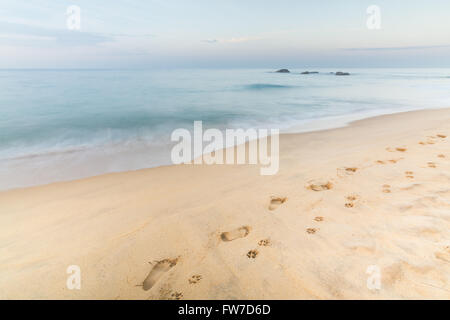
(309, 72)
(339, 73)
(283, 71)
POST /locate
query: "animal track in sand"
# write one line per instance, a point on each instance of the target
(441, 156)
(386, 188)
(399, 149)
(275, 202)
(431, 165)
(264, 243)
(432, 139)
(442, 136)
(351, 198)
(235, 234)
(393, 161)
(444, 256)
(311, 230)
(320, 185)
(318, 219)
(176, 296)
(195, 279)
(346, 171)
(409, 174)
(157, 272)
(252, 254)
(411, 187)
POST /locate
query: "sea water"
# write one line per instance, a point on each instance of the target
(67, 124)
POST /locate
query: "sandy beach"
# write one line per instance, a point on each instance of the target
(374, 194)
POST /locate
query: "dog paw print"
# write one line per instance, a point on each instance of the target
(351, 201)
(409, 174)
(252, 254)
(264, 243)
(176, 296)
(432, 165)
(195, 279)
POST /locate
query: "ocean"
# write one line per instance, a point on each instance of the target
(60, 125)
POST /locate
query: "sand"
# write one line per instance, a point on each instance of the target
(346, 203)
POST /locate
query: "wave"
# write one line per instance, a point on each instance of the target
(263, 86)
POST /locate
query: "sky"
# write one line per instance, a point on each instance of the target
(224, 34)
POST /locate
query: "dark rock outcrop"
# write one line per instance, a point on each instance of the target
(283, 71)
(309, 72)
(340, 73)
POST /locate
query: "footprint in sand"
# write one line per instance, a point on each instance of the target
(442, 136)
(275, 202)
(318, 219)
(311, 230)
(195, 279)
(390, 161)
(443, 255)
(429, 141)
(341, 172)
(320, 185)
(351, 198)
(176, 296)
(235, 234)
(441, 156)
(399, 149)
(386, 188)
(264, 243)
(157, 272)
(431, 165)
(409, 174)
(252, 254)
(348, 170)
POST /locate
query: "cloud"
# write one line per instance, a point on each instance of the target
(232, 40)
(24, 37)
(397, 48)
(121, 35)
(22, 34)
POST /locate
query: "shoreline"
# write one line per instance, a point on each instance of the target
(373, 193)
(317, 125)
